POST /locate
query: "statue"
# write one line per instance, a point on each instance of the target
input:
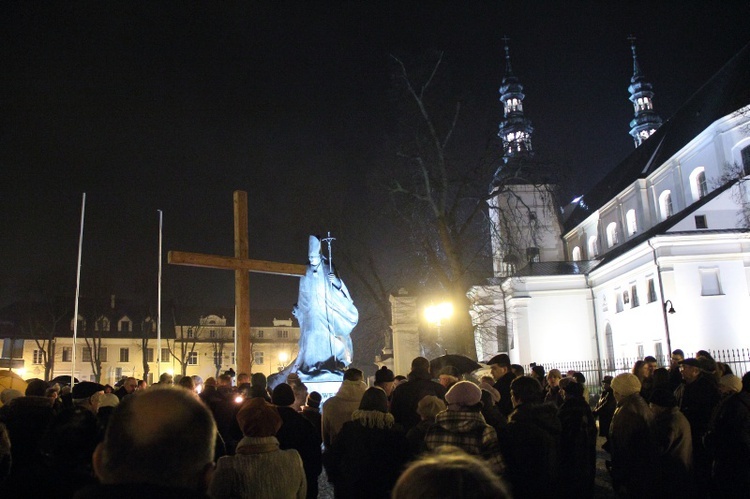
(326, 316)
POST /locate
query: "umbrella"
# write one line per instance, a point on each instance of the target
(9, 379)
(461, 363)
(63, 380)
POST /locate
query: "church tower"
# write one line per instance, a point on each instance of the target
(515, 129)
(646, 121)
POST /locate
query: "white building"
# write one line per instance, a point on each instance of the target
(666, 229)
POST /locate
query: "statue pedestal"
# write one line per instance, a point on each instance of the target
(326, 389)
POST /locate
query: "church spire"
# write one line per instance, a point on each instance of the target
(646, 121)
(515, 129)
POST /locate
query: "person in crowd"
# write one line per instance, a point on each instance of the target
(552, 394)
(188, 383)
(259, 469)
(299, 389)
(298, 433)
(530, 443)
(537, 372)
(448, 377)
(700, 397)
(243, 384)
(128, 387)
(581, 379)
(5, 460)
(259, 386)
(648, 383)
(490, 411)
(165, 379)
(463, 426)
(631, 440)
(338, 409)
(729, 384)
(605, 408)
(311, 411)
(88, 395)
(398, 379)
(370, 451)
(674, 443)
(729, 443)
(450, 473)
(639, 370)
(160, 443)
(577, 443)
(107, 405)
(517, 370)
(142, 384)
(500, 370)
(407, 395)
(385, 380)
(427, 408)
(675, 375)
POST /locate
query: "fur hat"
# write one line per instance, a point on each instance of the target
(492, 391)
(283, 395)
(464, 394)
(374, 399)
(429, 406)
(384, 375)
(732, 382)
(86, 389)
(258, 418)
(626, 384)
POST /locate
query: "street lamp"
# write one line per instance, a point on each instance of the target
(283, 358)
(436, 314)
(669, 307)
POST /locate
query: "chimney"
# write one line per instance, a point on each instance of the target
(112, 302)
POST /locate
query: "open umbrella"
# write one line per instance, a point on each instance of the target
(9, 379)
(63, 380)
(461, 363)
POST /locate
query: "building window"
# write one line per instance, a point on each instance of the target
(102, 324)
(103, 354)
(576, 254)
(593, 247)
(641, 352)
(605, 307)
(282, 334)
(86, 354)
(12, 349)
(651, 291)
(67, 354)
(612, 237)
(258, 358)
(125, 326)
(165, 355)
(232, 361)
(658, 351)
(192, 358)
(212, 334)
(698, 185)
(626, 297)
(700, 222)
(631, 222)
(745, 155)
(618, 305)
(149, 355)
(81, 323)
(532, 255)
(38, 357)
(609, 340)
(710, 282)
(190, 333)
(634, 296)
(218, 358)
(665, 204)
(124, 355)
(259, 334)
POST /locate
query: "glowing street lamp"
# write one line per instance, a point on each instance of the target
(283, 358)
(436, 314)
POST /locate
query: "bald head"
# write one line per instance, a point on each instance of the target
(162, 436)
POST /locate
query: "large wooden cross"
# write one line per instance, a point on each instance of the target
(241, 265)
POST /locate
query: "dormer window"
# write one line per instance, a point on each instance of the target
(576, 254)
(665, 204)
(631, 221)
(698, 186)
(612, 236)
(593, 247)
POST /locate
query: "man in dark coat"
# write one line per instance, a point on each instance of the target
(500, 369)
(298, 433)
(407, 395)
(605, 407)
(224, 407)
(577, 443)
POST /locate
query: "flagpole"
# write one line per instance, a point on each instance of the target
(158, 304)
(78, 294)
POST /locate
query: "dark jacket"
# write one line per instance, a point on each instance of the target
(298, 433)
(502, 385)
(729, 443)
(577, 448)
(604, 410)
(407, 395)
(632, 447)
(530, 446)
(674, 445)
(222, 405)
(699, 399)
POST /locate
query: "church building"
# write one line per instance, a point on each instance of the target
(654, 257)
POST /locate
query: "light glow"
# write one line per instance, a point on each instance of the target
(435, 314)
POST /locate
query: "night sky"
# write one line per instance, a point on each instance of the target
(174, 105)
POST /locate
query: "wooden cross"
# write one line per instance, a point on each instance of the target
(241, 265)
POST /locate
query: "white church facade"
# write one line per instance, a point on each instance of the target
(655, 257)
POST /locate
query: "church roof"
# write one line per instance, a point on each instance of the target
(726, 92)
(582, 267)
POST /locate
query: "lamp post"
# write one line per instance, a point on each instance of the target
(436, 314)
(283, 358)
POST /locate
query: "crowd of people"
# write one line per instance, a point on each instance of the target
(429, 434)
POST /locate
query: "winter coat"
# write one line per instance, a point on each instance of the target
(577, 448)
(604, 410)
(298, 433)
(407, 395)
(502, 385)
(368, 456)
(699, 399)
(729, 443)
(632, 447)
(338, 409)
(260, 469)
(530, 446)
(468, 431)
(674, 445)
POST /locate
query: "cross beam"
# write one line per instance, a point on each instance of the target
(241, 265)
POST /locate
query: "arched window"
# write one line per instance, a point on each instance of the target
(576, 254)
(631, 221)
(593, 247)
(698, 185)
(612, 236)
(745, 156)
(665, 204)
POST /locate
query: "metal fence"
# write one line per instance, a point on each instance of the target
(594, 370)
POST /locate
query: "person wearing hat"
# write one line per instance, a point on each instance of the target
(605, 407)
(370, 451)
(385, 379)
(298, 433)
(674, 444)
(260, 468)
(631, 440)
(700, 396)
(407, 395)
(448, 377)
(463, 426)
(88, 394)
(428, 408)
(311, 411)
(500, 369)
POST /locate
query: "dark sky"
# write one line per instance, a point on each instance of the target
(174, 105)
